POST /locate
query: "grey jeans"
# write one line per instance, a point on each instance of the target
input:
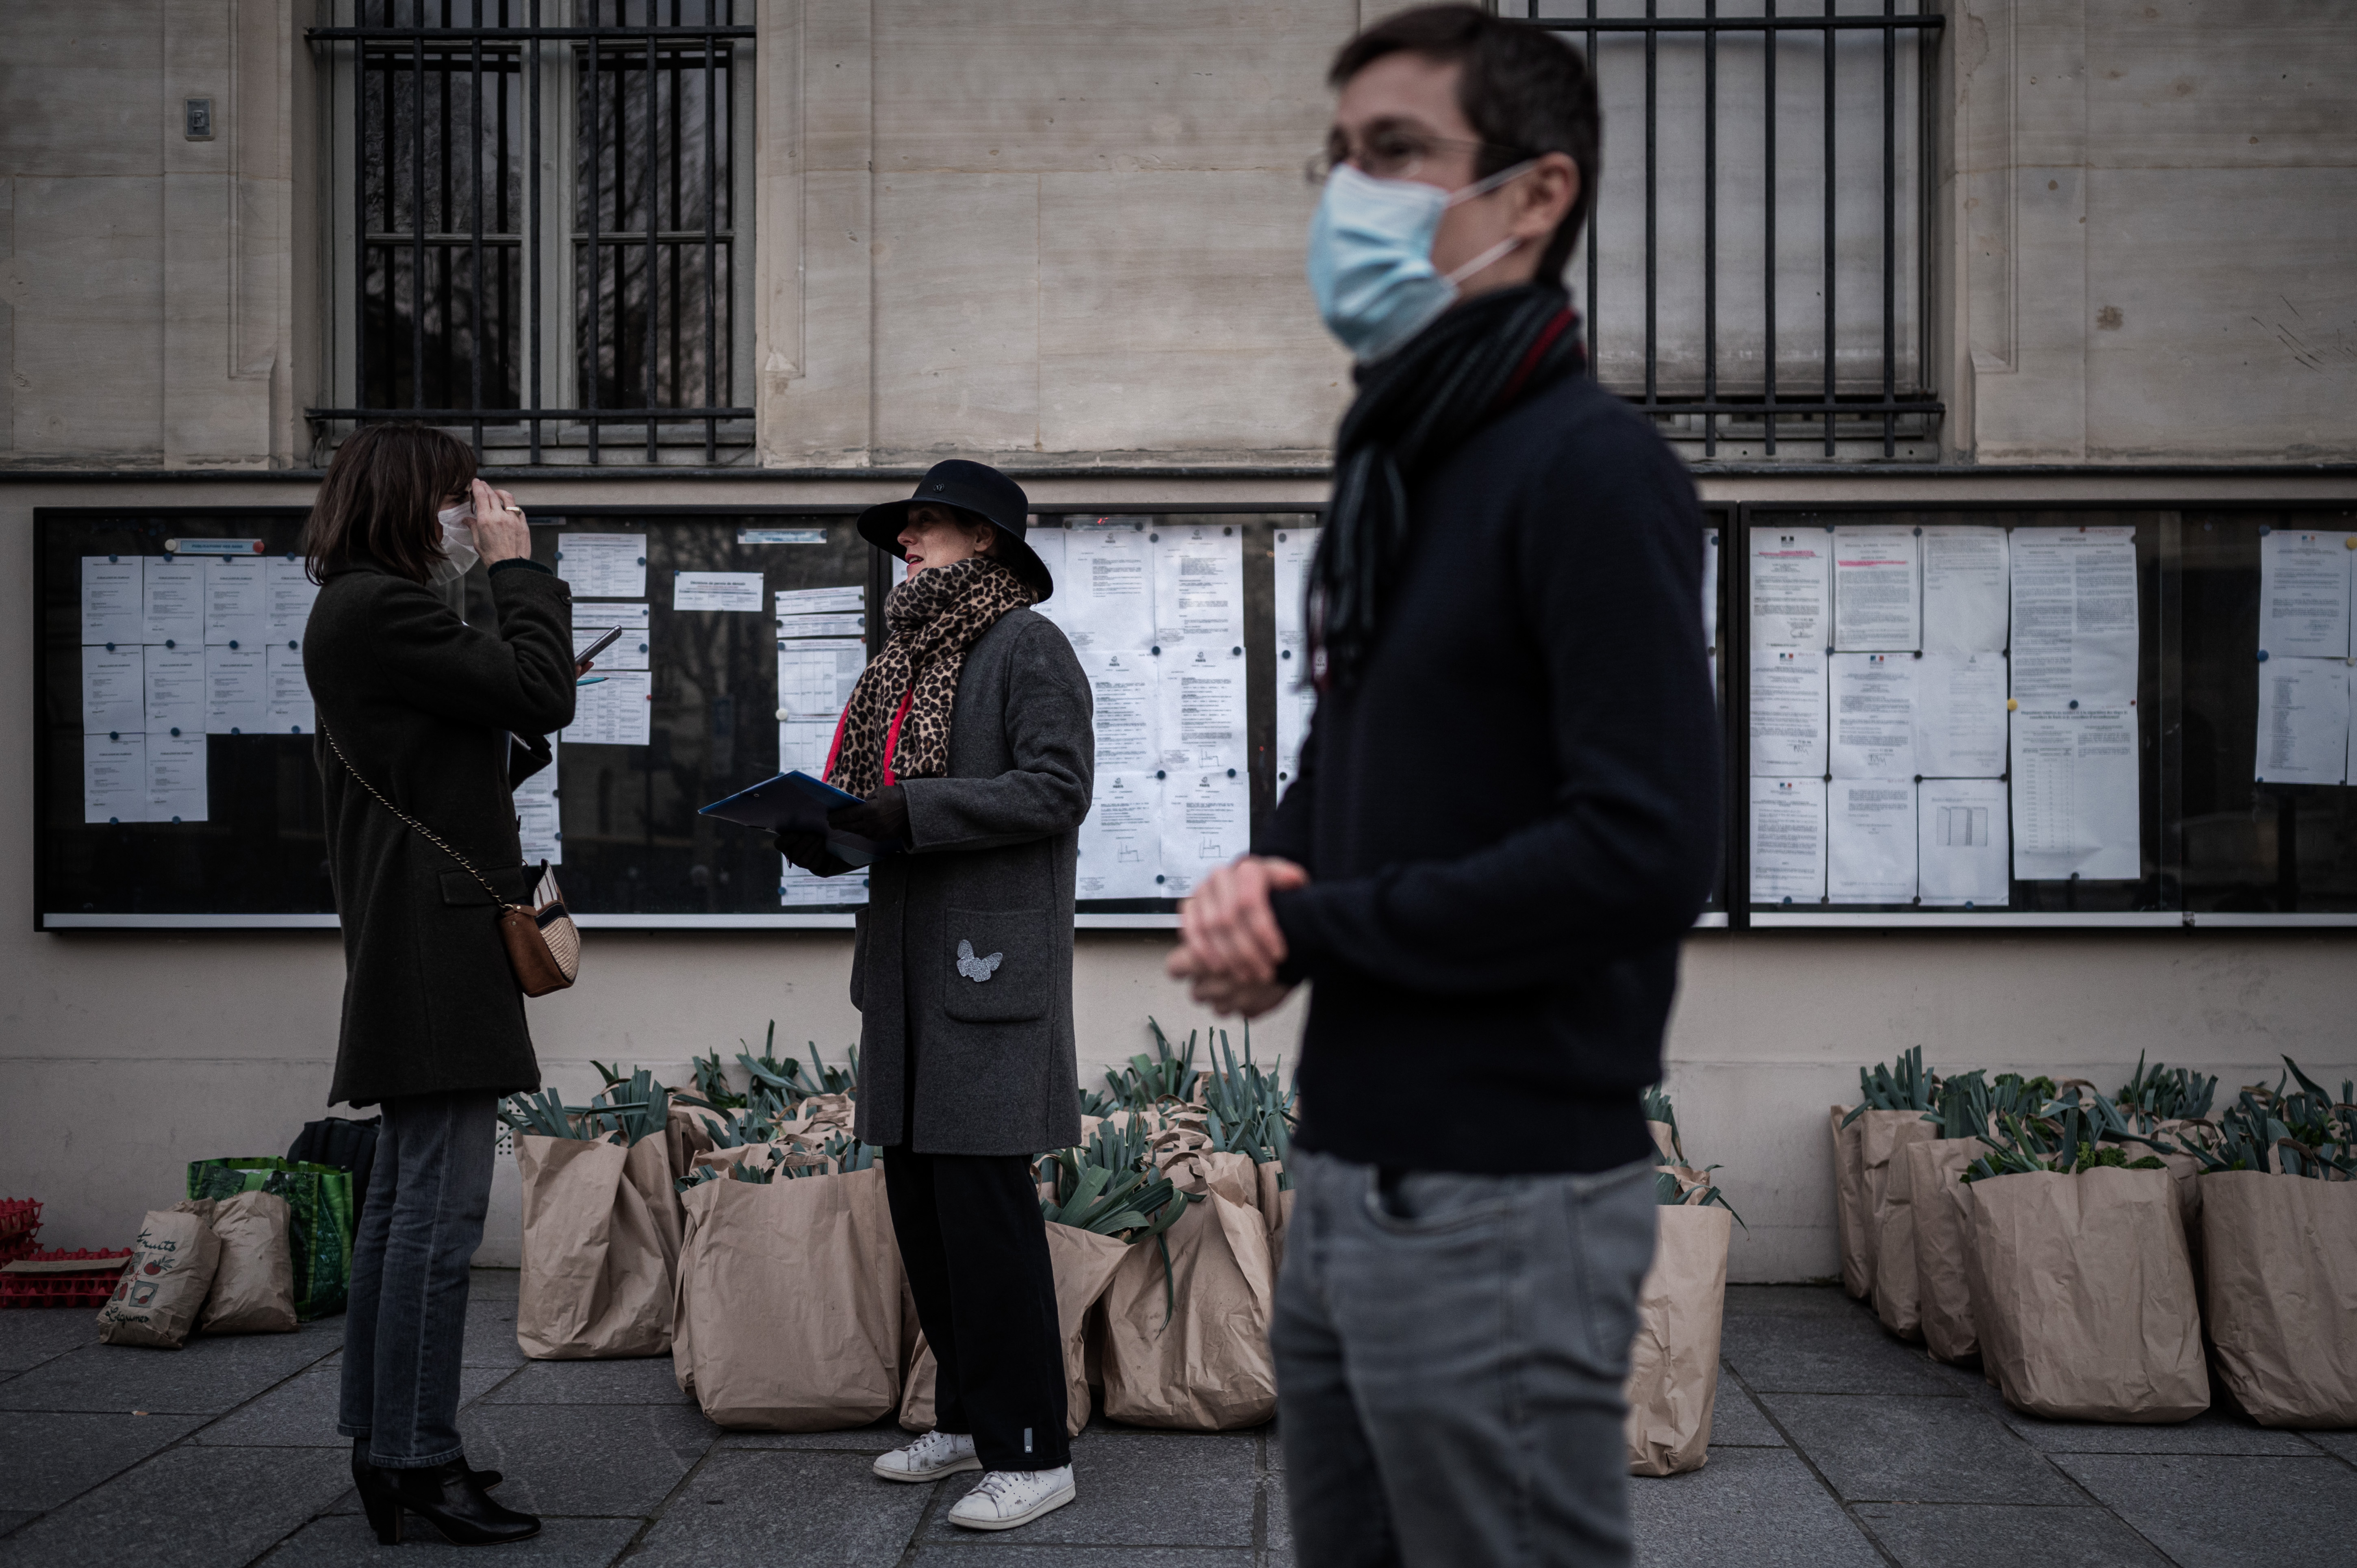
(405, 1328)
(1449, 1362)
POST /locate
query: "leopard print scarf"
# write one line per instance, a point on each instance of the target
(931, 620)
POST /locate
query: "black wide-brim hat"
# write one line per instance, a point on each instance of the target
(976, 488)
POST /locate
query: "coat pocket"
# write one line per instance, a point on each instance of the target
(995, 965)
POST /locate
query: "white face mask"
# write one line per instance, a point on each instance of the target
(1370, 256)
(458, 553)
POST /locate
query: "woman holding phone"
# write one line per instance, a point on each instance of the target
(969, 740)
(421, 712)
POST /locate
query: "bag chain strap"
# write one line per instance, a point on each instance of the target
(425, 832)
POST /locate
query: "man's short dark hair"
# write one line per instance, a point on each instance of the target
(1523, 91)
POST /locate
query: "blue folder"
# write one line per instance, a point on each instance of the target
(798, 802)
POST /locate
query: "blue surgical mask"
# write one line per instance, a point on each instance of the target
(1370, 256)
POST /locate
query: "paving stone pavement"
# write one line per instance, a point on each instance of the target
(1834, 1445)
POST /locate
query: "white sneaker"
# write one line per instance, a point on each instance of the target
(929, 1459)
(1005, 1499)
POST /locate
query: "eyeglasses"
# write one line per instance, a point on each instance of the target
(1392, 154)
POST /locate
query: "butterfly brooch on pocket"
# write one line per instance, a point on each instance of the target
(977, 969)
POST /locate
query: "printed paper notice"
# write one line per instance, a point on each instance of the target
(1110, 588)
(113, 602)
(717, 591)
(1788, 841)
(2304, 592)
(175, 778)
(2075, 795)
(800, 889)
(1790, 587)
(816, 678)
(1965, 589)
(1788, 713)
(1127, 713)
(1199, 719)
(1870, 833)
(175, 692)
(819, 601)
(1960, 715)
(173, 593)
(632, 651)
(824, 626)
(1206, 823)
(113, 689)
(1047, 543)
(290, 695)
(290, 593)
(603, 565)
(1297, 695)
(805, 741)
(1710, 588)
(1877, 602)
(1199, 587)
(1873, 716)
(237, 601)
(539, 820)
(2074, 617)
(113, 778)
(237, 690)
(1960, 845)
(616, 711)
(2303, 721)
(1121, 839)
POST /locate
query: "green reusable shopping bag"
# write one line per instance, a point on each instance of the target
(321, 1197)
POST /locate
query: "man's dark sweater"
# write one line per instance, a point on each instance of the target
(1511, 816)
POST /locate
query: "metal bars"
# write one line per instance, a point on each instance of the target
(1714, 360)
(450, 217)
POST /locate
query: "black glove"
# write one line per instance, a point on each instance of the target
(808, 851)
(882, 817)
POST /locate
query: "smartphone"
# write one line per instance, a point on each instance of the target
(597, 647)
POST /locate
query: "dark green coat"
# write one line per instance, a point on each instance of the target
(992, 866)
(423, 705)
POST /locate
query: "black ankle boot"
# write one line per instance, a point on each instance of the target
(377, 1498)
(452, 1498)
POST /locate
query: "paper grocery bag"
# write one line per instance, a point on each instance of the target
(164, 1282)
(1275, 1210)
(687, 1133)
(917, 1406)
(1085, 1263)
(601, 1236)
(1673, 1361)
(1197, 1172)
(1941, 1209)
(790, 1303)
(2083, 1297)
(1877, 1135)
(1849, 1202)
(1895, 1298)
(1194, 1356)
(2281, 1294)
(253, 1288)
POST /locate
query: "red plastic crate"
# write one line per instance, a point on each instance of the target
(20, 1221)
(87, 1288)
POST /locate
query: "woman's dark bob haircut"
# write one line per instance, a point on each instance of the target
(378, 502)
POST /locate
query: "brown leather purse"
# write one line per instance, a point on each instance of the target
(543, 944)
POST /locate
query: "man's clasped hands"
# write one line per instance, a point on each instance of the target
(1229, 945)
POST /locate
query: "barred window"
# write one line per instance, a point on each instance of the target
(539, 223)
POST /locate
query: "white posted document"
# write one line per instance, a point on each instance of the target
(819, 601)
(291, 712)
(632, 651)
(173, 596)
(175, 692)
(1960, 715)
(237, 690)
(114, 689)
(1870, 835)
(717, 591)
(1792, 586)
(1047, 543)
(237, 601)
(2303, 721)
(837, 625)
(2304, 592)
(804, 741)
(1200, 722)
(1873, 716)
(2074, 617)
(1296, 696)
(800, 889)
(603, 565)
(1878, 603)
(1788, 841)
(1127, 709)
(1206, 823)
(1199, 587)
(1960, 846)
(1966, 583)
(619, 711)
(2075, 795)
(815, 677)
(1111, 589)
(113, 602)
(113, 778)
(539, 820)
(1710, 588)
(290, 593)
(1121, 839)
(1788, 713)
(175, 778)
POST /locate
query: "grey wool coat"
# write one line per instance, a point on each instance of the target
(989, 873)
(422, 704)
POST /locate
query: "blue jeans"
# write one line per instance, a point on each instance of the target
(405, 1328)
(1449, 1362)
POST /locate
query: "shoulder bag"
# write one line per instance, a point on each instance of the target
(543, 945)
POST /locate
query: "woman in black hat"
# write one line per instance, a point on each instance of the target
(969, 742)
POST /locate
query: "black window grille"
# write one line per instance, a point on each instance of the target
(455, 270)
(1737, 110)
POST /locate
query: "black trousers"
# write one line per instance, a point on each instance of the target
(976, 1248)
